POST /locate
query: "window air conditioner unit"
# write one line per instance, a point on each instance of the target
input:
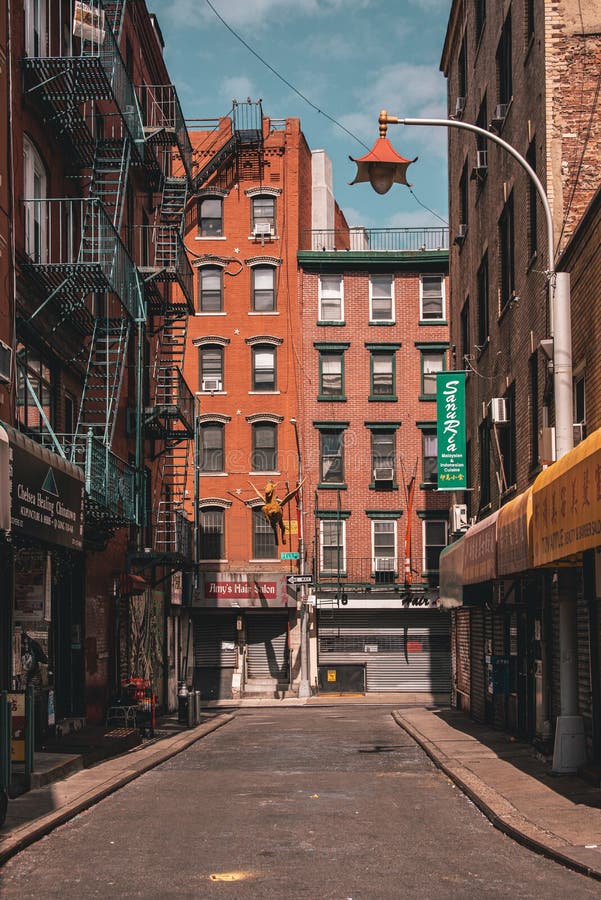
(579, 432)
(481, 159)
(211, 384)
(499, 412)
(500, 114)
(384, 564)
(385, 473)
(262, 229)
(6, 355)
(458, 517)
(460, 236)
(459, 105)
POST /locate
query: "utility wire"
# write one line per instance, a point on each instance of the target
(309, 102)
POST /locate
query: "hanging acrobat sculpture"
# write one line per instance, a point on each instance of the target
(273, 508)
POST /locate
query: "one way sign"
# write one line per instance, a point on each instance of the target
(299, 579)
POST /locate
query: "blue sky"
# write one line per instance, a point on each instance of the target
(351, 58)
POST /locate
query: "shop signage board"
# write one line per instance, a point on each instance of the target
(230, 590)
(46, 502)
(450, 431)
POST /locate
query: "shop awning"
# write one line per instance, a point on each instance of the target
(4, 482)
(451, 575)
(480, 551)
(514, 535)
(566, 504)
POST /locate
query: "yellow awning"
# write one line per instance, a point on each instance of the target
(566, 504)
(451, 575)
(514, 535)
(480, 552)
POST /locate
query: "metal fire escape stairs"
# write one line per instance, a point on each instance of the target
(247, 135)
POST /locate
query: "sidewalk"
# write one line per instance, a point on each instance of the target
(34, 814)
(558, 816)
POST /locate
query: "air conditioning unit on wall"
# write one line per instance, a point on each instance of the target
(384, 473)
(384, 564)
(211, 384)
(499, 411)
(262, 229)
(458, 517)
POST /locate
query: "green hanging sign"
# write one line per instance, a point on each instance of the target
(450, 418)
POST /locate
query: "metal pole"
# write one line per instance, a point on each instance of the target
(304, 688)
(559, 287)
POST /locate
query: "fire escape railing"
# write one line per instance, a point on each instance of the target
(73, 249)
(164, 121)
(163, 259)
(81, 62)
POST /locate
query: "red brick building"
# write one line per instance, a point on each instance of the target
(375, 333)
(95, 406)
(525, 71)
(251, 207)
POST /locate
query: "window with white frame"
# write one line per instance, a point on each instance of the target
(384, 543)
(212, 533)
(263, 367)
(434, 541)
(432, 297)
(34, 194)
(383, 364)
(212, 439)
(264, 447)
(264, 545)
(263, 289)
(381, 298)
(331, 298)
(210, 217)
(430, 457)
(332, 456)
(383, 456)
(263, 214)
(210, 289)
(332, 550)
(211, 367)
(433, 362)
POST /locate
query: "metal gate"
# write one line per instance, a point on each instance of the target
(267, 645)
(462, 657)
(402, 650)
(477, 668)
(215, 655)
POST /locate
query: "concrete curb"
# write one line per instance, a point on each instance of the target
(155, 755)
(497, 809)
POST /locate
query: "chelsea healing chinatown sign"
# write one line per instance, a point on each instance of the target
(450, 421)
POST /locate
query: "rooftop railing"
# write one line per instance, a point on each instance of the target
(381, 240)
(162, 113)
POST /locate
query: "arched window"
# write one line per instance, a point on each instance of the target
(263, 367)
(263, 289)
(210, 216)
(263, 214)
(212, 440)
(211, 367)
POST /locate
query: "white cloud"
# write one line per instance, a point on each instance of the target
(255, 13)
(236, 87)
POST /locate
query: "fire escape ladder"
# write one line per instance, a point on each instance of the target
(112, 159)
(104, 376)
(173, 474)
(171, 345)
(114, 10)
(172, 210)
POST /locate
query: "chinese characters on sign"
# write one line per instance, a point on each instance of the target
(450, 419)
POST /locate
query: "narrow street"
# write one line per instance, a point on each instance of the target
(293, 803)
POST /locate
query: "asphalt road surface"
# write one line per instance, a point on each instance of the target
(314, 803)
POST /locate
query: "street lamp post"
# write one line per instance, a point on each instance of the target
(381, 169)
(304, 688)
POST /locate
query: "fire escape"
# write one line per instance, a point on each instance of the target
(167, 279)
(84, 277)
(243, 141)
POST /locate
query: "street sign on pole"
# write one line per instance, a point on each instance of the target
(299, 579)
(291, 554)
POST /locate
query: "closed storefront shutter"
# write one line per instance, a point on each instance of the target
(499, 650)
(585, 707)
(215, 655)
(478, 686)
(267, 645)
(462, 656)
(401, 650)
